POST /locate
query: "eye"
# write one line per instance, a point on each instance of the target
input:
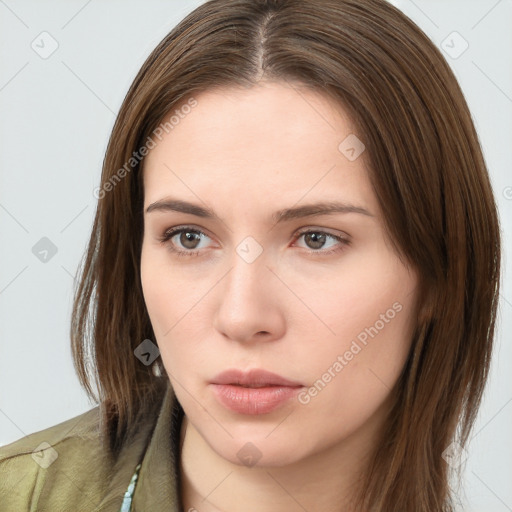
(316, 239)
(188, 241)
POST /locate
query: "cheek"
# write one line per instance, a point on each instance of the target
(346, 394)
(163, 291)
(170, 301)
(155, 291)
(159, 297)
(354, 366)
(379, 351)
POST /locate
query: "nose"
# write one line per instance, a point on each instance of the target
(249, 306)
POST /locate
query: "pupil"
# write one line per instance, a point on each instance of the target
(317, 239)
(189, 237)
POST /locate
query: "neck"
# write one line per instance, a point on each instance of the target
(323, 481)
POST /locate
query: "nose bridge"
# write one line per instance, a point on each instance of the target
(250, 250)
(248, 269)
(247, 300)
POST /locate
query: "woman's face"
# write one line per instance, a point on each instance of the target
(261, 278)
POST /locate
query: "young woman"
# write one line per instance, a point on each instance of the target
(288, 302)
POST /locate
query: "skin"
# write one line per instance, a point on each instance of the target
(246, 153)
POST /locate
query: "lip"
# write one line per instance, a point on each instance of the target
(253, 392)
(253, 378)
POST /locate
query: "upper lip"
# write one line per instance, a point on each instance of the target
(253, 378)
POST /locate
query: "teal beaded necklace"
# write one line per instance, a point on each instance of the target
(128, 495)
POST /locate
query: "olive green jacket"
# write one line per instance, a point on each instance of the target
(72, 473)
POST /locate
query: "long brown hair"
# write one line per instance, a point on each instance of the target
(427, 171)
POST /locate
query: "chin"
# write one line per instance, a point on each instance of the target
(260, 449)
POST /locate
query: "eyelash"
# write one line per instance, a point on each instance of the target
(170, 233)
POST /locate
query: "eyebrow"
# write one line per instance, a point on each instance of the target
(284, 215)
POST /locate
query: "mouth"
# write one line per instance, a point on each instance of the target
(253, 392)
(255, 378)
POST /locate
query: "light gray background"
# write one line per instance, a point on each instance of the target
(56, 114)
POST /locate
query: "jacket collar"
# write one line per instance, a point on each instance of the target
(158, 485)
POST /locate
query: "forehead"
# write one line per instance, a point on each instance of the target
(270, 140)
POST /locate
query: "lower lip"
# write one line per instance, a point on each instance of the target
(253, 400)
